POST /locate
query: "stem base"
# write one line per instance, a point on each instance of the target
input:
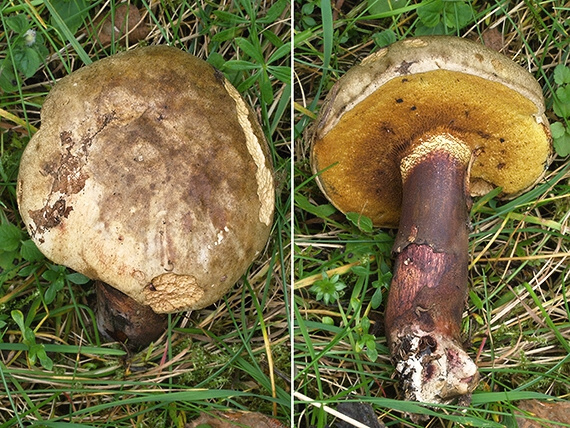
(433, 368)
(122, 319)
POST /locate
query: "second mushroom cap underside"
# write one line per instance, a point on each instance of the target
(365, 127)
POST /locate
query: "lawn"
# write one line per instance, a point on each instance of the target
(234, 355)
(516, 320)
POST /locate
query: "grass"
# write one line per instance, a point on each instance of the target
(236, 354)
(516, 323)
(54, 369)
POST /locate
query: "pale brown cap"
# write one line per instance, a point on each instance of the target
(151, 174)
(378, 108)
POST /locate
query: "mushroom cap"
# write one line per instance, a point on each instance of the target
(381, 107)
(151, 174)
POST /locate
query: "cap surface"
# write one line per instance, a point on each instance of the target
(380, 107)
(151, 174)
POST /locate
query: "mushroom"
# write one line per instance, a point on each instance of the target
(125, 25)
(151, 175)
(405, 138)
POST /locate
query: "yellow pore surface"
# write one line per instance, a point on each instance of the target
(363, 151)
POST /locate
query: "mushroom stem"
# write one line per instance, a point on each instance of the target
(121, 318)
(429, 286)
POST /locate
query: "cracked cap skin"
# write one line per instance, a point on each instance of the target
(149, 173)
